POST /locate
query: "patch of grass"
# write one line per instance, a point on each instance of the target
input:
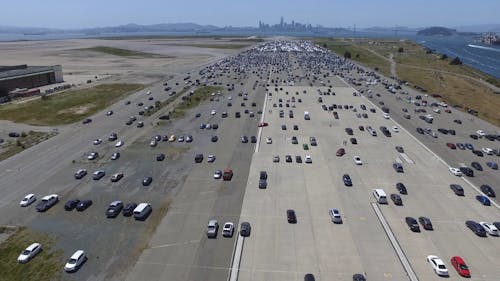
(247, 40)
(47, 265)
(124, 52)
(25, 141)
(358, 53)
(199, 95)
(218, 46)
(67, 107)
(161, 104)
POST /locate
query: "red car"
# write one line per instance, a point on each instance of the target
(459, 264)
(227, 175)
(447, 111)
(263, 124)
(340, 152)
(451, 145)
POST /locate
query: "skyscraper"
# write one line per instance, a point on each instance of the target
(281, 22)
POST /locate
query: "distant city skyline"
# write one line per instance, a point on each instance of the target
(327, 13)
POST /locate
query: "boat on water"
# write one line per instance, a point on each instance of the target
(491, 39)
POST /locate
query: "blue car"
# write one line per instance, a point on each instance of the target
(492, 165)
(469, 146)
(202, 126)
(484, 200)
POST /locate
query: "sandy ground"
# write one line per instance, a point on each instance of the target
(81, 65)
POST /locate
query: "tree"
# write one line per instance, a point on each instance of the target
(347, 55)
(444, 56)
(325, 46)
(401, 50)
(456, 61)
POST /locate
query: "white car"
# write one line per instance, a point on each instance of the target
(481, 133)
(27, 200)
(386, 116)
(490, 228)
(213, 112)
(308, 159)
(357, 160)
(456, 171)
(119, 143)
(211, 158)
(29, 253)
(228, 229)
(92, 155)
(487, 150)
(218, 174)
(97, 141)
(395, 129)
(438, 265)
(152, 143)
(269, 140)
(75, 261)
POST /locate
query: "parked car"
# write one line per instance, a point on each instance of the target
(228, 229)
(97, 175)
(114, 209)
(458, 189)
(340, 152)
(492, 165)
(245, 229)
(290, 216)
(358, 277)
(398, 167)
(412, 224)
(459, 264)
(396, 199)
(29, 253)
(75, 261)
(476, 228)
(335, 216)
(476, 166)
(455, 171)
(146, 181)
(486, 189)
(83, 205)
(426, 223)
(47, 202)
(401, 187)
(347, 180)
(357, 160)
(483, 200)
(437, 265)
(27, 200)
(490, 228)
(116, 177)
(212, 229)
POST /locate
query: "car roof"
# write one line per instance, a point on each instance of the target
(114, 203)
(77, 254)
(141, 207)
(32, 246)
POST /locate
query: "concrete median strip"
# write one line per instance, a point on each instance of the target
(235, 263)
(395, 244)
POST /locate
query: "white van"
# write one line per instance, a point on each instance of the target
(142, 211)
(379, 194)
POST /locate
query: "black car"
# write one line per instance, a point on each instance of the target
(283, 127)
(474, 136)
(71, 204)
(426, 223)
(467, 171)
(215, 126)
(128, 210)
(198, 158)
(167, 117)
(458, 189)
(358, 277)
(476, 166)
(361, 128)
(398, 167)
(309, 277)
(237, 114)
(353, 140)
(198, 115)
(263, 175)
(253, 139)
(347, 180)
(476, 228)
(214, 138)
(478, 153)
(290, 216)
(86, 121)
(295, 127)
(147, 181)
(83, 205)
(412, 224)
(245, 229)
(396, 199)
(349, 131)
(114, 209)
(160, 157)
(262, 183)
(420, 130)
(294, 140)
(401, 187)
(400, 149)
(486, 189)
(288, 158)
(244, 139)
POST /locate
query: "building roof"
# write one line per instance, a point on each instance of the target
(20, 72)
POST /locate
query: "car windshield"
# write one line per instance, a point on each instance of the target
(463, 266)
(441, 266)
(72, 261)
(26, 252)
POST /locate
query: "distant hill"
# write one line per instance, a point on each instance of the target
(162, 27)
(437, 30)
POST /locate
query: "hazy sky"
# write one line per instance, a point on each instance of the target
(332, 13)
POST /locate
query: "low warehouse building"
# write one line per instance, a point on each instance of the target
(28, 77)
